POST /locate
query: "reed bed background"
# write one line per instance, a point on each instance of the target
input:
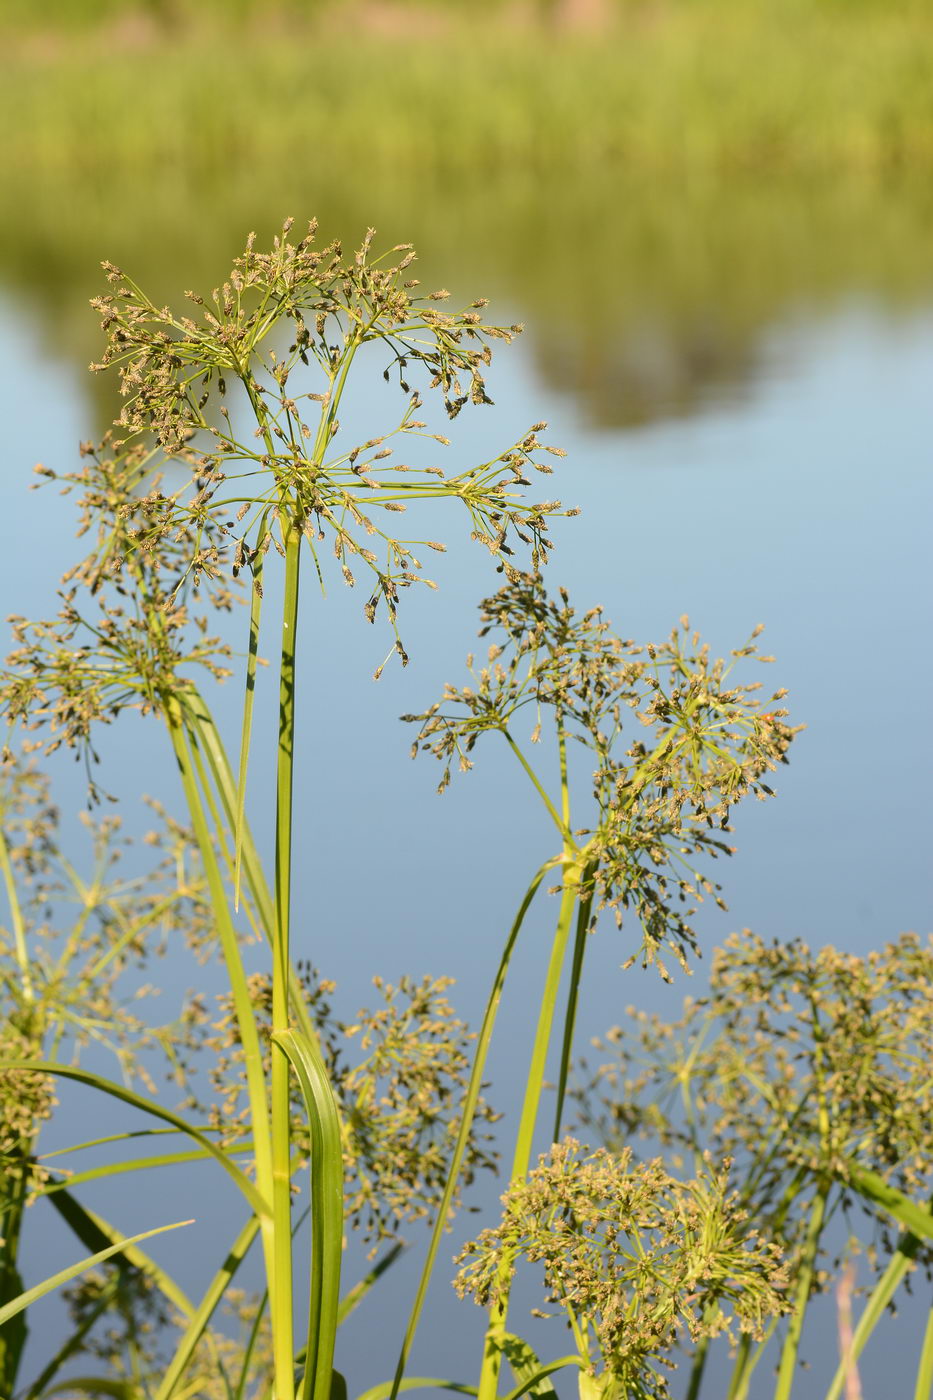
(626, 173)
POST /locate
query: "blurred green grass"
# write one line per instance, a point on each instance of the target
(683, 175)
(704, 89)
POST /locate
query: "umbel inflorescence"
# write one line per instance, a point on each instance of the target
(230, 443)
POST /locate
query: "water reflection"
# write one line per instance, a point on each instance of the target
(642, 301)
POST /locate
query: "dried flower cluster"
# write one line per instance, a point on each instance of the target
(73, 934)
(698, 744)
(797, 1064)
(634, 1257)
(196, 484)
(399, 1072)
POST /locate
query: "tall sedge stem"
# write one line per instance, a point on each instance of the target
(562, 825)
(16, 918)
(699, 1365)
(212, 745)
(738, 1384)
(280, 1097)
(466, 1123)
(805, 1273)
(924, 1386)
(246, 1021)
(584, 914)
(492, 1356)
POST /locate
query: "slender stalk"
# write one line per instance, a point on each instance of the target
(492, 1355)
(746, 1361)
(283, 1341)
(699, 1366)
(466, 1122)
(16, 918)
(584, 911)
(255, 611)
(246, 1021)
(876, 1305)
(805, 1273)
(562, 825)
(212, 745)
(924, 1387)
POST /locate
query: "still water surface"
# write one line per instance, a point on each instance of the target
(797, 492)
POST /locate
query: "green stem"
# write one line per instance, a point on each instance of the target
(16, 918)
(924, 1386)
(805, 1273)
(562, 826)
(492, 1356)
(699, 1366)
(741, 1371)
(219, 763)
(246, 1020)
(283, 1340)
(466, 1123)
(584, 911)
(876, 1306)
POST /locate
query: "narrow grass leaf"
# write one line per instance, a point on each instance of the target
(199, 1321)
(874, 1309)
(96, 1385)
(874, 1188)
(924, 1386)
(382, 1392)
(537, 1383)
(466, 1123)
(526, 1367)
(255, 615)
(211, 743)
(117, 1091)
(326, 1211)
(584, 911)
(95, 1234)
(39, 1290)
(112, 1137)
(358, 1292)
(138, 1164)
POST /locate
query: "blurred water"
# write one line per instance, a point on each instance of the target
(798, 494)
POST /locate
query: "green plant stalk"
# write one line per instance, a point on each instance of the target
(874, 1309)
(699, 1366)
(16, 918)
(326, 1214)
(805, 1273)
(924, 1387)
(745, 1363)
(584, 911)
(255, 610)
(199, 1321)
(246, 1021)
(466, 1123)
(281, 1293)
(492, 1353)
(210, 742)
(73, 1342)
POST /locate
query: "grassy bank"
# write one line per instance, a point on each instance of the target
(696, 168)
(705, 92)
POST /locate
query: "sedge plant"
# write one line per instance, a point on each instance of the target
(230, 448)
(77, 939)
(809, 1069)
(671, 741)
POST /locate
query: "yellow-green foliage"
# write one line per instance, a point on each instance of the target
(692, 148)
